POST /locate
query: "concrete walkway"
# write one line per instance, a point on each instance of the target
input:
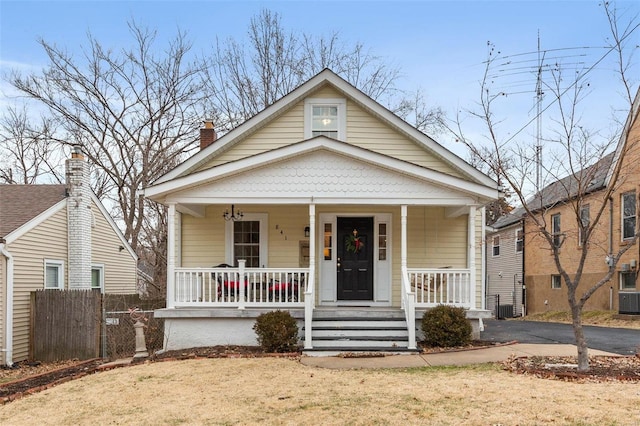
(474, 356)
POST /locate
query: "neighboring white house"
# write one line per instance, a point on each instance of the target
(504, 254)
(55, 237)
(329, 206)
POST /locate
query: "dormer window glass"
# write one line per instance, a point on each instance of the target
(324, 121)
(325, 117)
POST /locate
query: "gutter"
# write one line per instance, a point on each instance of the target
(8, 320)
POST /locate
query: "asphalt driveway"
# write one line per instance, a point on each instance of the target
(622, 341)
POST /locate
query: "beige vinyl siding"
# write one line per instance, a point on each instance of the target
(434, 241)
(46, 241)
(285, 130)
(363, 130)
(120, 267)
(203, 239)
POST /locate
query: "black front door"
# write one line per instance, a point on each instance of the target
(355, 258)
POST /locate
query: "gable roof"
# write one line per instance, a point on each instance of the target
(325, 77)
(21, 203)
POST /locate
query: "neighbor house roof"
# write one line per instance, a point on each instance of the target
(21, 203)
(585, 181)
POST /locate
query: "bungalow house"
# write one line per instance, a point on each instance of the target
(55, 237)
(504, 259)
(329, 206)
(581, 195)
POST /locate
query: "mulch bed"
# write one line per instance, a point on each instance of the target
(601, 368)
(25, 386)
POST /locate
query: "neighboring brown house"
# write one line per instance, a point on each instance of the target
(545, 289)
(55, 237)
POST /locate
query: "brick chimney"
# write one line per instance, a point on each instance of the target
(78, 220)
(207, 134)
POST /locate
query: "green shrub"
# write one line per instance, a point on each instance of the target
(446, 326)
(277, 331)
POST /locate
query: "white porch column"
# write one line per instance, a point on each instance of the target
(309, 300)
(171, 256)
(472, 254)
(403, 243)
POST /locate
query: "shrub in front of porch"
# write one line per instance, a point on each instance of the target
(446, 326)
(277, 331)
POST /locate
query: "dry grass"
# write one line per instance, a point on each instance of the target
(601, 318)
(283, 391)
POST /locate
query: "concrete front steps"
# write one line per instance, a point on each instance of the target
(358, 331)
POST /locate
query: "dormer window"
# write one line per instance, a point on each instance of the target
(325, 117)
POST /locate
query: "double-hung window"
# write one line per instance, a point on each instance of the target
(495, 244)
(325, 117)
(628, 215)
(53, 274)
(247, 239)
(585, 219)
(555, 230)
(519, 240)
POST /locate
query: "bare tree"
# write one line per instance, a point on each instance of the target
(246, 78)
(580, 168)
(135, 112)
(26, 153)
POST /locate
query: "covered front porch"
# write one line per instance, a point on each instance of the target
(412, 258)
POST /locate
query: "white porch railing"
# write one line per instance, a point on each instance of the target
(433, 287)
(241, 287)
(409, 307)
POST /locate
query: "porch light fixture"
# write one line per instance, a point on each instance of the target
(307, 230)
(234, 215)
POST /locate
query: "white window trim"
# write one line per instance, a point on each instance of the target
(559, 279)
(263, 218)
(100, 267)
(622, 216)
(516, 240)
(60, 265)
(341, 103)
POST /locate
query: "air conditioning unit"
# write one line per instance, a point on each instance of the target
(624, 267)
(629, 302)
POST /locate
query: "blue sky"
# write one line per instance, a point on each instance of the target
(439, 46)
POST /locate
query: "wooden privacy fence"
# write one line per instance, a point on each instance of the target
(65, 324)
(84, 324)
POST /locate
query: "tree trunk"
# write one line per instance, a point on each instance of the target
(581, 342)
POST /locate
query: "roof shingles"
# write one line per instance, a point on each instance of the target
(21, 203)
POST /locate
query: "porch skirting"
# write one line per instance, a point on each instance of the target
(200, 327)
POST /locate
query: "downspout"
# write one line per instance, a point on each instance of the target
(8, 320)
